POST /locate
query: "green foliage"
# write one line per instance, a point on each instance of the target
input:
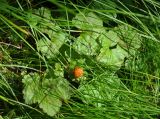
(98, 43)
(113, 44)
(87, 21)
(43, 22)
(111, 56)
(100, 88)
(87, 42)
(130, 39)
(50, 48)
(48, 92)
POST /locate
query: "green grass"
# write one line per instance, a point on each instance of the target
(121, 77)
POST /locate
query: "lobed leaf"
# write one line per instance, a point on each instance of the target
(48, 92)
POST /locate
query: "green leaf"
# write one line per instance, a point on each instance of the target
(111, 54)
(87, 21)
(50, 48)
(50, 105)
(51, 101)
(47, 48)
(103, 87)
(63, 89)
(42, 21)
(130, 39)
(31, 82)
(36, 16)
(87, 43)
(112, 57)
(47, 91)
